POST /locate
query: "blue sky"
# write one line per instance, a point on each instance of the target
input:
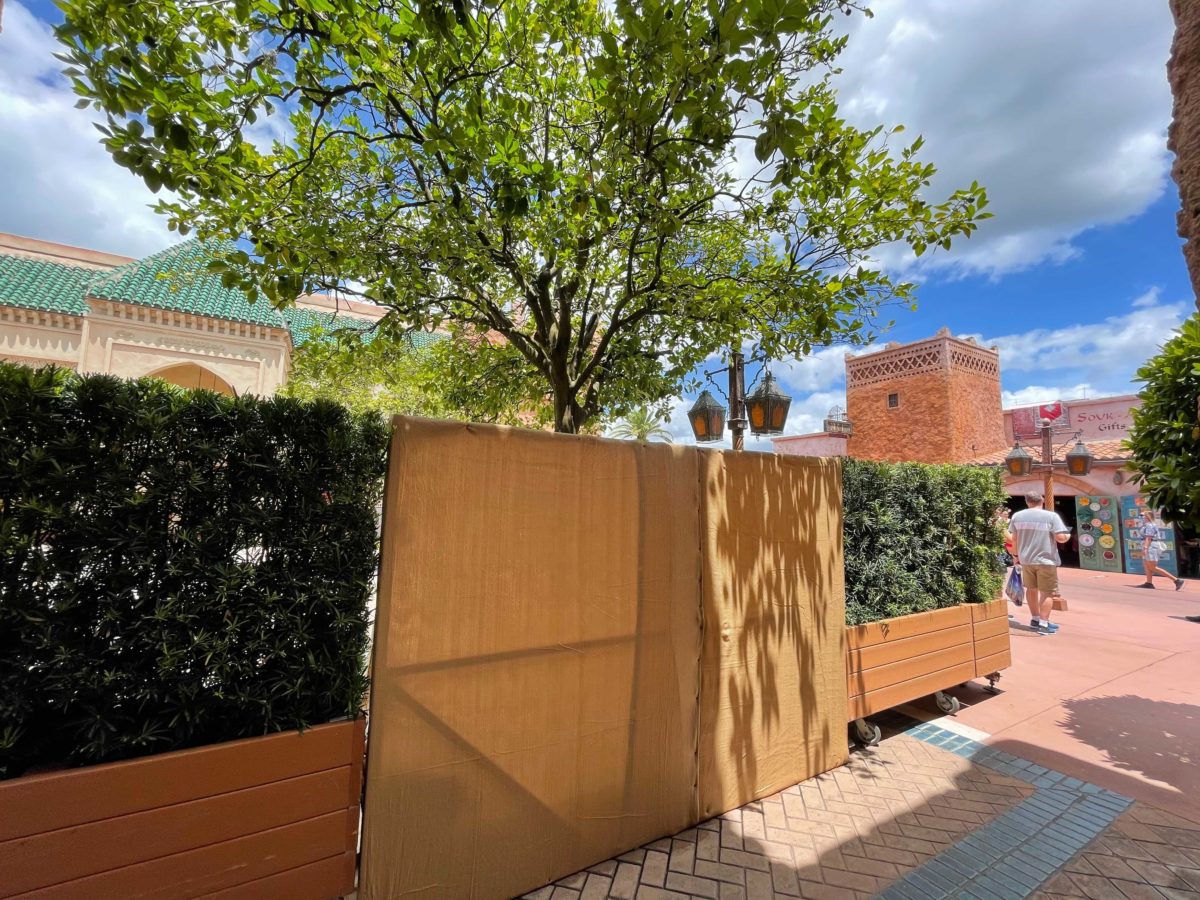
(1059, 109)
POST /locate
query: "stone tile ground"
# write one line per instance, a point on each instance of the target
(849, 833)
(1146, 853)
(927, 814)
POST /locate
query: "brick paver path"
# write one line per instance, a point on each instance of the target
(846, 834)
(1146, 853)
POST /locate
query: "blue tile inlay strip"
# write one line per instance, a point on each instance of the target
(1014, 855)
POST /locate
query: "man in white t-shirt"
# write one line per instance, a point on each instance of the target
(1036, 534)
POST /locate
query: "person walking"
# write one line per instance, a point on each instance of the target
(1152, 548)
(1036, 534)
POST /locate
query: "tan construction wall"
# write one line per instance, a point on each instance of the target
(772, 686)
(583, 645)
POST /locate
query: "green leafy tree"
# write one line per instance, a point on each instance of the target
(564, 174)
(1165, 437)
(641, 424)
(385, 377)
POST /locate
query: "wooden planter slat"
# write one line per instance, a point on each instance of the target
(991, 646)
(38, 803)
(990, 624)
(893, 651)
(240, 817)
(877, 701)
(994, 663)
(84, 850)
(993, 609)
(326, 878)
(901, 627)
(893, 661)
(205, 870)
(989, 628)
(906, 670)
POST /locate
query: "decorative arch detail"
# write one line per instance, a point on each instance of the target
(190, 375)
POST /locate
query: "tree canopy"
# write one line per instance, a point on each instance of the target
(619, 190)
(390, 376)
(1165, 437)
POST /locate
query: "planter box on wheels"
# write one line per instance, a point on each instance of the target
(893, 661)
(265, 817)
(989, 624)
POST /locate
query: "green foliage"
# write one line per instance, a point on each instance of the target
(1165, 437)
(178, 567)
(641, 424)
(447, 379)
(381, 376)
(561, 172)
(919, 537)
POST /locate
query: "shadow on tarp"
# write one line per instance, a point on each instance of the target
(547, 607)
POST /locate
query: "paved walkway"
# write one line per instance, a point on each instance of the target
(1080, 780)
(929, 813)
(1113, 698)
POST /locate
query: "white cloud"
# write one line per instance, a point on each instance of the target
(1101, 350)
(1036, 394)
(819, 371)
(59, 183)
(1059, 109)
(1147, 299)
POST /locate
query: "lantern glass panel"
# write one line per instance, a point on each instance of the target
(1079, 460)
(707, 418)
(1018, 462)
(767, 407)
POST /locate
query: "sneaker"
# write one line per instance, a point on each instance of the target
(1179, 584)
(1034, 623)
(1050, 627)
(1144, 585)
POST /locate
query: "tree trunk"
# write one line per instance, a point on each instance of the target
(568, 415)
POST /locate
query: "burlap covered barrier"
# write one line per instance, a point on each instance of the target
(773, 677)
(535, 673)
(542, 697)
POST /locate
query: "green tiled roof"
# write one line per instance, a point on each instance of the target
(177, 279)
(301, 321)
(41, 284)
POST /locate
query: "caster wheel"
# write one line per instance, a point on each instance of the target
(947, 703)
(992, 679)
(868, 734)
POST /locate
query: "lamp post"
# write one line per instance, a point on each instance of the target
(1078, 462)
(765, 410)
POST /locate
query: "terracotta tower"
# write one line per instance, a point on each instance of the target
(936, 400)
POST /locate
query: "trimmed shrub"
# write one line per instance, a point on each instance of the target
(919, 537)
(178, 567)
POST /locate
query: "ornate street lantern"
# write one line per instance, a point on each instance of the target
(1018, 462)
(1079, 460)
(708, 418)
(767, 407)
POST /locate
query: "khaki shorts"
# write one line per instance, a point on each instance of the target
(1040, 578)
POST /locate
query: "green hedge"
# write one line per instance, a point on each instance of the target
(178, 567)
(919, 537)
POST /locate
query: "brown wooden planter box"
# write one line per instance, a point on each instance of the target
(893, 661)
(989, 629)
(265, 817)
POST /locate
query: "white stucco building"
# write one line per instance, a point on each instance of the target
(164, 315)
